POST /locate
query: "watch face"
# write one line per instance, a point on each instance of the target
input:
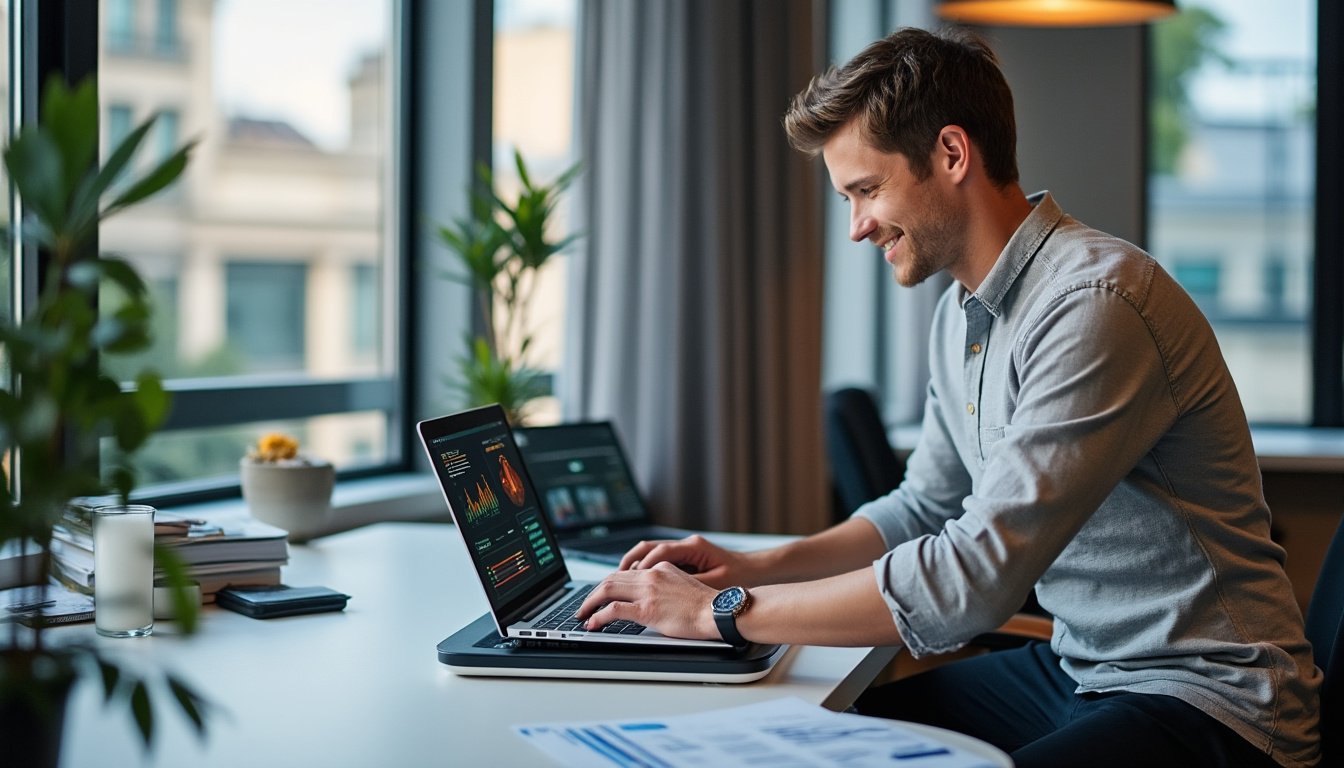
(728, 599)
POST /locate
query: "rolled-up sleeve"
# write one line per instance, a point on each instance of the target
(990, 502)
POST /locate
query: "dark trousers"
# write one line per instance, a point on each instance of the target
(1020, 701)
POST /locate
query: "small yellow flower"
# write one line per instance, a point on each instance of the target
(276, 446)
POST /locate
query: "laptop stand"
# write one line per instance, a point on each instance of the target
(478, 650)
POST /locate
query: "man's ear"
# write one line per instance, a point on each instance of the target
(952, 153)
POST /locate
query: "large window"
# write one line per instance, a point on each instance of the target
(1232, 184)
(274, 258)
(533, 109)
(1239, 204)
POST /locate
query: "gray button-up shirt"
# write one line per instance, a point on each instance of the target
(1082, 435)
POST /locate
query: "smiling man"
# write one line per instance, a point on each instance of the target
(1082, 438)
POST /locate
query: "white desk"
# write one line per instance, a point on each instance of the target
(365, 687)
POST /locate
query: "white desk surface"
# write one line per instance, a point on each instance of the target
(365, 688)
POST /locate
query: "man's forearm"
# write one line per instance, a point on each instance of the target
(848, 546)
(844, 610)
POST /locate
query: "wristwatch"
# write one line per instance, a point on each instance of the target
(728, 605)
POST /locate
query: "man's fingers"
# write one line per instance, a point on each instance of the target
(663, 552)
(632, 558)
(614, 587)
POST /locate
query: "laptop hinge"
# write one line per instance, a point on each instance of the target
(539, 604)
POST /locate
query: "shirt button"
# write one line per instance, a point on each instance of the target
(970, 408)
(975, 348)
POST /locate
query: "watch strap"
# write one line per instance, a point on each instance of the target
(726, 621)
(727, 624)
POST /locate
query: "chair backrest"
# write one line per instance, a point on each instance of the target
(863, 464)
(1325, 630)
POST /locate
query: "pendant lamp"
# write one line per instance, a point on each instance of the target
(1055, 13)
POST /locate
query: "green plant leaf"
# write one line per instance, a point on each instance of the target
(192, 704)
(177, 578)
(110, 675)
(38, 232)
(37, 169)
(567, 177)
(522, 168)
(71, 119)
(155, 402)
(131, 433)
(158, 178)
(477, 244)
(123, 275)
(117, 161)
(142, 711)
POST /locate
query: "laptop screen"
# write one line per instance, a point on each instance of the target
(582, 476)
(494, 506)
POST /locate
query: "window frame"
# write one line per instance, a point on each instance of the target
(879, 353)
(1325, 321)
(1327, 311)
(63, 36)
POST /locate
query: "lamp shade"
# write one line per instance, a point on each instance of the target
(1055, 13)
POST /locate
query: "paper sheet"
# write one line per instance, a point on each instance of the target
(784, 733)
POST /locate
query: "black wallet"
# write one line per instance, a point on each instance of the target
(268, 602)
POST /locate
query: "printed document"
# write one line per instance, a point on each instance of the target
(784, 733)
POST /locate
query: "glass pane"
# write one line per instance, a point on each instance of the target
(533, 113)
(349, 440)
(270, 254)
(1231, 185)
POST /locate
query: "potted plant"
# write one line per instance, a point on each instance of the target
(500, 247)
(286, 488)
(60, 399)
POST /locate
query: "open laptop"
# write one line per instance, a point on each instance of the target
(511, 544)
(587, 490)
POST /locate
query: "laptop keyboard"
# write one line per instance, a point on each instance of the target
(562, 618)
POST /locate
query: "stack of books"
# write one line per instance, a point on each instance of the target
(238, 551)
(20, 562)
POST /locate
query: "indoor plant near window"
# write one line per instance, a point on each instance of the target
(286, 488)
(501, 246)
(60, 400)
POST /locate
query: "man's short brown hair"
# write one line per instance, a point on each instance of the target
(907, 87)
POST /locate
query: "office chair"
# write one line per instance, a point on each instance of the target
(863, 464)
(1325, 631)
(864, 467)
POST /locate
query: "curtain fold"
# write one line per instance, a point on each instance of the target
(695, 294)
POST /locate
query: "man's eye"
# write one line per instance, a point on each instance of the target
(868, 191)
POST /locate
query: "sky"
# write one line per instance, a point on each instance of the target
(1258, 29)
(316, 44)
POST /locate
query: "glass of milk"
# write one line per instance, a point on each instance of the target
(123, 570)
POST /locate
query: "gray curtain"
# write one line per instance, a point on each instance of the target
(695, 296)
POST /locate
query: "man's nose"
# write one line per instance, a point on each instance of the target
(861, 225)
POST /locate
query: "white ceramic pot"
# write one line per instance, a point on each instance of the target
(292, 496)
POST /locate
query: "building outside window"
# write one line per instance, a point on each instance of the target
(534, 113)
(266, 311)
(119, 25)
(165, 28)
(1232, 178)
(289, 192)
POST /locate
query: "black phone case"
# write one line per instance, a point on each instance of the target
(272, 601)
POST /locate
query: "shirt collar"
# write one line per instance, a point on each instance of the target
(1024, 243)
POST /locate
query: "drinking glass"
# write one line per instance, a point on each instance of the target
(123, 570)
